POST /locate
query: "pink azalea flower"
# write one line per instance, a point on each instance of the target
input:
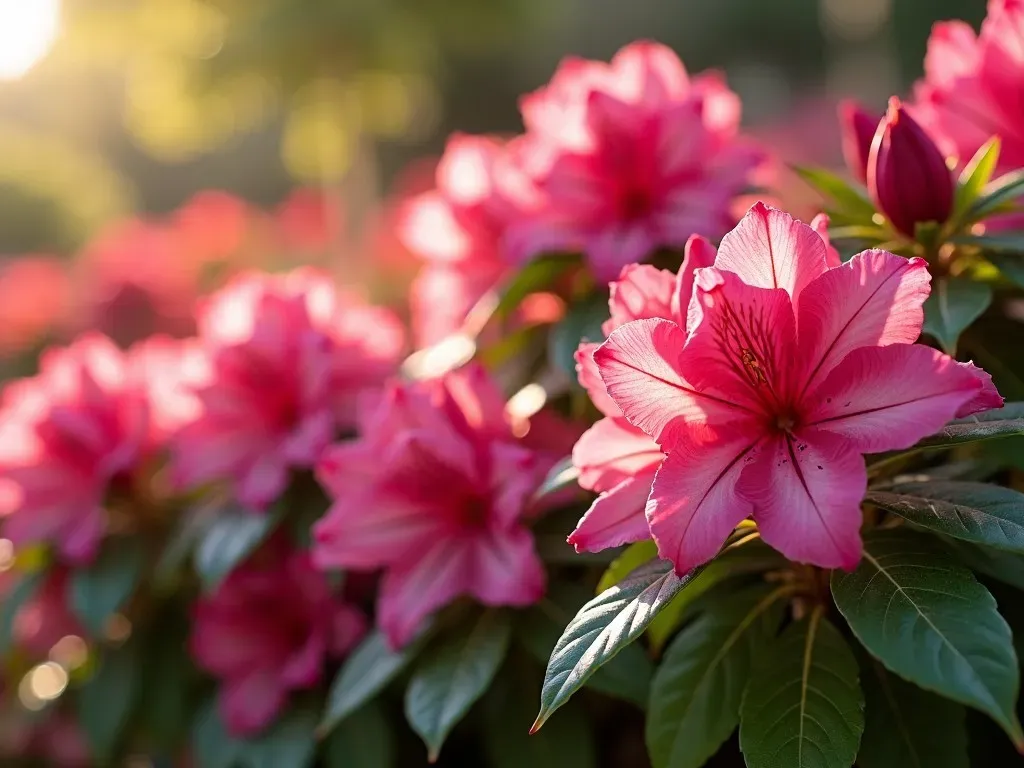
(971, 90)
(788, 370)
(614, 458)
(267, 631)
(289, 356)
(67, 436)
(171, 370)
(629, 157)
(434, 492)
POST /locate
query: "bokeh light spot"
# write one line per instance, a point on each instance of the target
(28, 29)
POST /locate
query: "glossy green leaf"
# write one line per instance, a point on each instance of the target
(633, 557)
(978, 512)
(13, 601)
(999, 422)
(696, 692)
(228, 540)
(539, 275)
(927, 619)
(364, 674)
(1002, 566)
(289, 741)
(1000, 242)
(752, 557)
(212, 745)
(907, 727)
(976, 176)
(107, 700)
(1003, 190)
(103, 587)
(603, 627)
(627, 676)
(848, 198)
(803, 706)
(581, 323)
(1010, 266)
(452, 675)
(364, 739)
(952, 306)
(561, 476)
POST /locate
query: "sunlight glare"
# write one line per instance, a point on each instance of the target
(28, 29)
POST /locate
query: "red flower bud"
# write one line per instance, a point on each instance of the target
(907, 174)
(858, 128)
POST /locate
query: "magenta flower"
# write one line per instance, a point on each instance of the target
(67, 436)
(858, 128)
(289, 356)
(630, 157)
(435, 493)
(267, 631)
(790, 370)
(972, 85)
(907, 173)
(614, 458)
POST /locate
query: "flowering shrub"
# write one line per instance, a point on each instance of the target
(252, 520)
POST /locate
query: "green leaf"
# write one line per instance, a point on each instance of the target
(178, 549)
(999, 422)
(288, 742)
(627, 676)
(228, 540)
(212, 746)
(12, 604)
(952, 306)
(103, 587)
(635, 555)
(928, 620)
(364, 674)
(979, 512)
(752, 557)
(107, 700)
(975, 176)
(907, 727)
(581, 323)
(565, 742)
(1011, 266)
(603, 627)
(166, 708)
(803, 706)
(1003, 190)
(850, 200)
(1002, 566)
(453, 675)
(561, 476)
(540, 274)
(696, 692)
(364, 739)
(1000, 242)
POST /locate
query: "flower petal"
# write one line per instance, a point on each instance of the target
(820, 225)
(639, 364)
(249, 704)
(589, 378)
(988, 396)
(874, 299)
(888, 398)
(694, 503)
(771, 249)
(611, 451)
(641, 291)
(616, 516)
(697, 254)
(806, 490)
(505, 568)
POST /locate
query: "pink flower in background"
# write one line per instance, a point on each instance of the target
(614, 458)
(858, 128)
(267, 631)
(66, 436)
(212, 226)
(34, 296)
(783, 380)
(310, 220)
(457, 228)
(972, 85)
(629, 157)
(434, 492)
(171, 370)
(289, 356)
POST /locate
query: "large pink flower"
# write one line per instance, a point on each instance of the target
(629, 157)
(973, 83)
(789, 371)
(67, 436)
(289, 356)
(267, 631)
(435, 493)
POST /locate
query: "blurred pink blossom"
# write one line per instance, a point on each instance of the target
(267, 631)
(289, 355)
(34, 296)
(435, 493)
(629, 157)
